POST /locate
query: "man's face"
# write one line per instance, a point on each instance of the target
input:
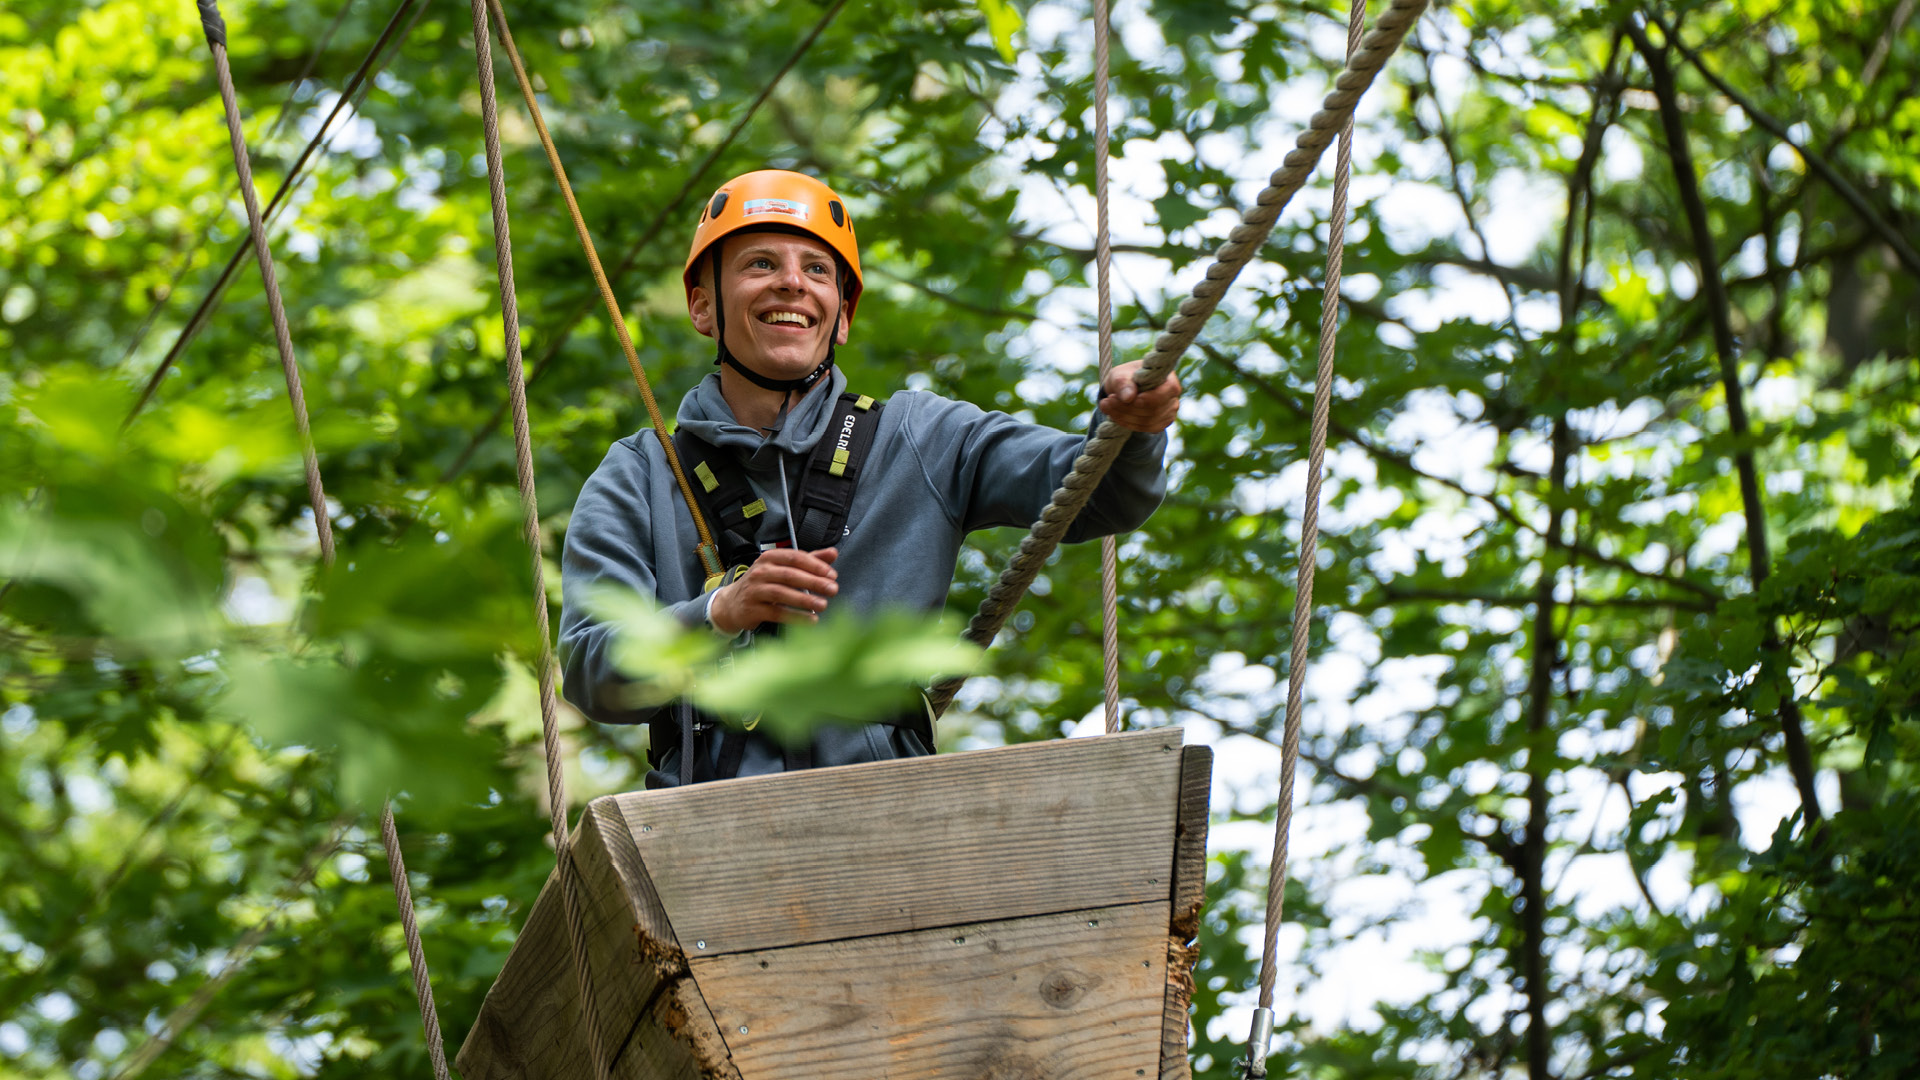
(781, 295)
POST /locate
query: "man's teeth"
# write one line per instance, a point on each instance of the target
(793, 317)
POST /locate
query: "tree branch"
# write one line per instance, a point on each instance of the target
(1815, 161)
(1713, 292)
(1532, 864)
(1405, 462)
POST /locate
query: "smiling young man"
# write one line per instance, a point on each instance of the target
(819, 498)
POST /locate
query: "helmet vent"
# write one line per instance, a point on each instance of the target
(839, 213)
(719, 204)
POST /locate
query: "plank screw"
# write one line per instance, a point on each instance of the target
(959, 941)
(1153, 881)
(1093, 922)
(646, 828)
(699, 944)
(1146, 963)
(743, 1029)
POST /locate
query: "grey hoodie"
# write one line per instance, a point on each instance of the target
(938, 470)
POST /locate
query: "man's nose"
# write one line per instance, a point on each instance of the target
(791, 278)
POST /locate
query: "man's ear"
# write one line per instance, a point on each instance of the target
(846, 321)
(700, 309)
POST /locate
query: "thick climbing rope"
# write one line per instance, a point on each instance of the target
(1258, 1041)
(709, 553)
(530, 521)
(216, 31)
(1103, 261)
(1242, 244)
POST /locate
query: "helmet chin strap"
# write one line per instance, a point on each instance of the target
(723, 355)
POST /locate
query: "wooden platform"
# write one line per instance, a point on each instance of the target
(1024, 913)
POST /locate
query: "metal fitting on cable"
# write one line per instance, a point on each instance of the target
(1259, 1045)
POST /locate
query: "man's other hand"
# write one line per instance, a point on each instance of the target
(782, 585)
(1151, 412)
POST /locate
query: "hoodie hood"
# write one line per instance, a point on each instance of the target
(705, 414)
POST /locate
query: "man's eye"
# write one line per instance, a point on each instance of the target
(761, 263)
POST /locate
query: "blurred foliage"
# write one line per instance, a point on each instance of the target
(842, 669)
(191, 709)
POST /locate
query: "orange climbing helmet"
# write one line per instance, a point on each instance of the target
(781, 201)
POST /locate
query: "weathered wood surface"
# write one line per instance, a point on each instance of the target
(1069, 996)
(1189, 895)
(897, 846)
(528, 1028)
(826, 904)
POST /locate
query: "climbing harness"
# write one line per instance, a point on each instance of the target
(818, 515)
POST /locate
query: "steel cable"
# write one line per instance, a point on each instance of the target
(1103, 261)
(708, 553)
(1242, 244)
(530, 521)
(416, 952)
(215, 28)
(564, 328)
(361, 78)
(1255, 1064)
(280, 118)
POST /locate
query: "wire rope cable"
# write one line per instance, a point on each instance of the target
(1232, 256)
(215, 28)
(530, 522)
(1259, 1038)
(256, 227)
(708, 552)
(362, 77)
(416, 952)
(185, 262)
(564, 327)
(1103, 260)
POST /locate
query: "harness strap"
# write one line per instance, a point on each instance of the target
(724, 496)
(820, 510)
(826, 491)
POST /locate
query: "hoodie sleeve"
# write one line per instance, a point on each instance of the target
(989, 469)
(610, 541)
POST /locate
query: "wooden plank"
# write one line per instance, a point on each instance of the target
(651, 1016)
(1176, 1005)
(1069, 996)
(1190, 841)
(897, 846)
(1189, 896)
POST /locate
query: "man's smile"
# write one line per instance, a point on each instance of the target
(782, 317)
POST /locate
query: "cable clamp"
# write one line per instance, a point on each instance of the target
(1259, 1045)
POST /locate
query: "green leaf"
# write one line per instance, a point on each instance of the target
(1003, 21)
